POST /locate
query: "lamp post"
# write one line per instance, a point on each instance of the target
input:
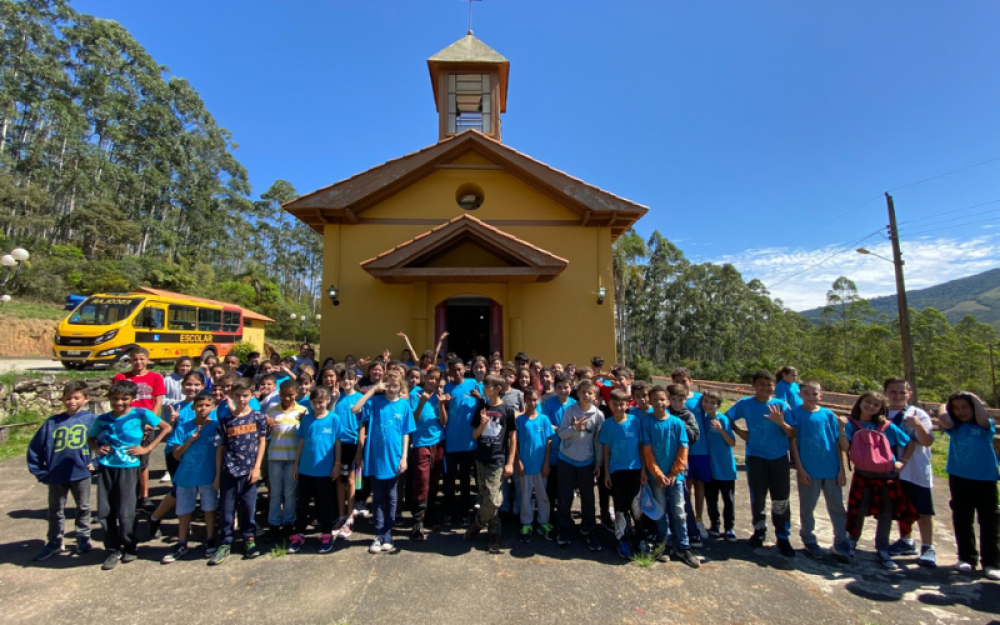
(303, 322)
(12, 263)
(906, 339)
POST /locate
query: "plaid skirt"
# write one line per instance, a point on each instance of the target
(880, 489)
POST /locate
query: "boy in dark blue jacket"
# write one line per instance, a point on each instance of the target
(59, 457)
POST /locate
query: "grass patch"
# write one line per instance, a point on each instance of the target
(645, 560)
(10, 378)
(19, 437)
(19, 309)
(278, 551)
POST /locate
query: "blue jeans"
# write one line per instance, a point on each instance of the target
(238, 497)
(384, 502)
(674, 519)
(282, 495)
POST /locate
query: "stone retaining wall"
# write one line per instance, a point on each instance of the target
(42, 396)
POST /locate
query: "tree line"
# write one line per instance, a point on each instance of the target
(114, 174)
(670, 311)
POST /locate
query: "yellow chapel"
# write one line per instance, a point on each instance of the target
(468, 236)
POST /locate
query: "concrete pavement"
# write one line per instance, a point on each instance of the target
(445, 580)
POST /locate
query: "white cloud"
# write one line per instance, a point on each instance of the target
(928, 261)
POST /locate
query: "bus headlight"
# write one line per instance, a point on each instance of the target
(107, 336)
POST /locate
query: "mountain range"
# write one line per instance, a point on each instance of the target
(977, 295)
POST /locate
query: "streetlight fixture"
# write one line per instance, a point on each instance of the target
(602, 292)
(13, 263)
(333, 292)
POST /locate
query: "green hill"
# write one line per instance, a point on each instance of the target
(977, 295)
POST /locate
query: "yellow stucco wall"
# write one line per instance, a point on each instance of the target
(556, 320)
(253, 333)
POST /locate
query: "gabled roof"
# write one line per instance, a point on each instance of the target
(247, 313)
(409, 261)
(346, 201)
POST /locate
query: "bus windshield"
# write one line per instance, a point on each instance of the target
(101, 311)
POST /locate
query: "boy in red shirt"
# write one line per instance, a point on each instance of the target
(149, 396)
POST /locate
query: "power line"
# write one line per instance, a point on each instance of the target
(817, 264)
(956, 210)
(945, 221)
(825, 224)
(947, 173)
(970, 223)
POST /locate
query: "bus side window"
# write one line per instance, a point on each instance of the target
(183, 318)
(230, 321)
(209, 320)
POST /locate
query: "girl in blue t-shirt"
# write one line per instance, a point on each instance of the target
(787, 388)
(879, 495)
(972, 478)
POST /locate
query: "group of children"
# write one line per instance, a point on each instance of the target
(647, 459)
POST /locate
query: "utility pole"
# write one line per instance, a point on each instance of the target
(909, 370)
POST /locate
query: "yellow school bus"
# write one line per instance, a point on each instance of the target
(106, 327)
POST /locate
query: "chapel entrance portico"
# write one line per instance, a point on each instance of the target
(474, 325)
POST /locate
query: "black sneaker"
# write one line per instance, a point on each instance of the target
(220, 555)
(446, 519)
(154, 529)
(562, 539)
(83, 545)
(757, 540)
(494, 543)
(111, 561)
(785, 548)
(715, 532)
(129, 556)
(689, 558)
(271, 535)
(593, 543)
(250, 549)
(49, 550)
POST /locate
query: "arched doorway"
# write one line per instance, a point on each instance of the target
(474, 325)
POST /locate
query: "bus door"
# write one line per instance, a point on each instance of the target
(150, 325)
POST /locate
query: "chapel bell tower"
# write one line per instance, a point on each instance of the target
(470, 87)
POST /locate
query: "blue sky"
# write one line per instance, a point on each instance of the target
(748, 128)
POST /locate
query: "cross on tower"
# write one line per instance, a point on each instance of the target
(470, 13)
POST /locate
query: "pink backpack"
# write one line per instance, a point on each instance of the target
(870, 449)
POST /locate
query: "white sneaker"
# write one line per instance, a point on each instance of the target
(992, 573)
(387, 546)
(376, 546)
(964, 567)
(347, 529)
(702, 530)
(165, 478)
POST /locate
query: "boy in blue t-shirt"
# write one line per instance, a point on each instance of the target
(768, 429)
(317, 468)
(972, 479)
(699, 471)
(461, 397)
(619, 439)
(816, 451)
(241, 436)
(719, 439)
(534, 444)
(193, 444)
(553, 409)
(116, 438)
(58, 457)
(664, 444)
(383, 444)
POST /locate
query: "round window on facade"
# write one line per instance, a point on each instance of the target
(469, 196)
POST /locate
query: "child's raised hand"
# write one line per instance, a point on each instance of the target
(173, 414)
(401, 335)
(716, 425)
(776, 413)
(444, 335)
(579, 424)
